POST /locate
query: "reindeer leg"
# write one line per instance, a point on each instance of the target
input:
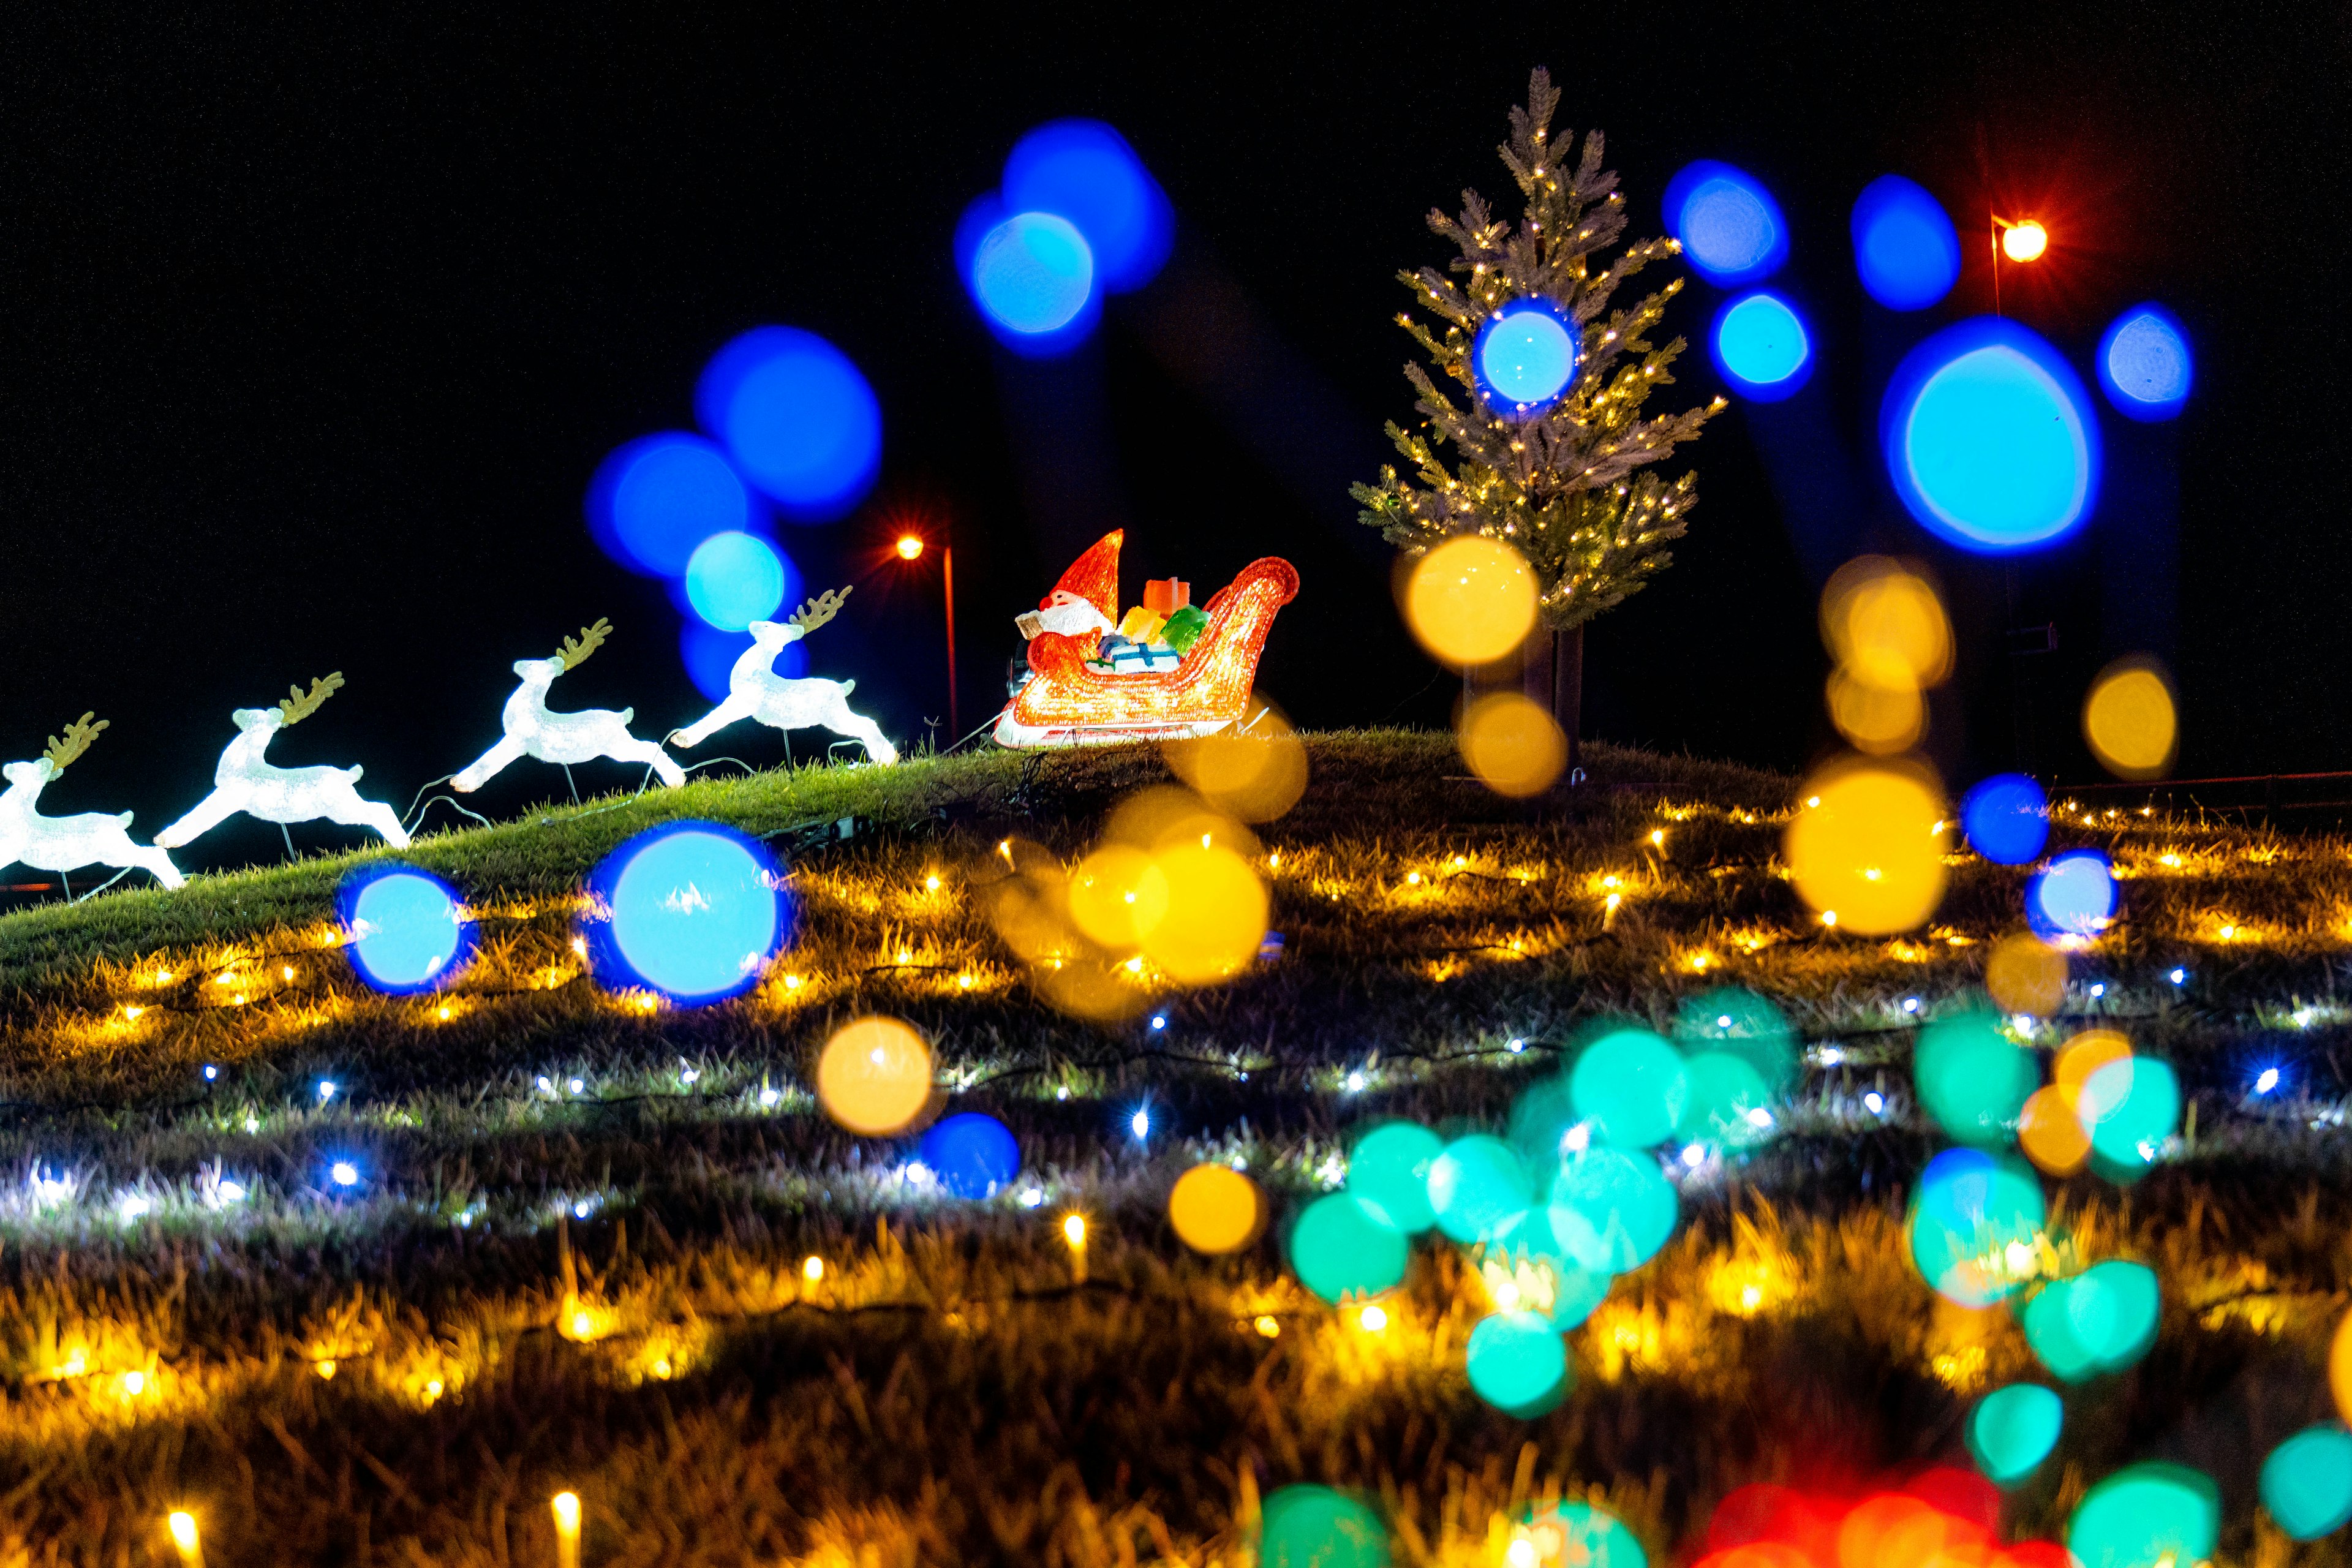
(155, 863)
(286, 833)
(570, 783)
(209, 814)
(728, 712)
(862, 729)
(360, 811)
(650, 753)
(484, 768)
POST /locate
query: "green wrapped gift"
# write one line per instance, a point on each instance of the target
(1184, 627)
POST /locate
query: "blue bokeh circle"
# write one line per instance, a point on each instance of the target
(1730, 227)
(2007, 818)
(2074, 895)
(796, 416)
(405, 929)
(1904, 247)
(1030, 274)
(734, 579)
(1989, 439)
(973, 1155)
(693, 910)
(1761, 347)
(654, 499)
(1526, 355)
(2145, 365)
(1084, 170)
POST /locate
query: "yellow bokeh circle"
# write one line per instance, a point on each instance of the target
(1255, 776)
(2051, 1131)
(1472, 600)
(1886, 624)
(1117, 894)
(1215, 916)
(1876, 718)
(1215, 1208)
(2083, 1055)
(2130, 719)
(1870, 850)
(2026, 974)
(2339, 1367)
(874, 1075)
(1512, 743)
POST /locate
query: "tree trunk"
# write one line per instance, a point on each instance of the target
(1551, 672)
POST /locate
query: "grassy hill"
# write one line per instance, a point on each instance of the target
(579, 1254)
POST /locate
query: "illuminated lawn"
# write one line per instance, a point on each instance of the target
(576, 1254)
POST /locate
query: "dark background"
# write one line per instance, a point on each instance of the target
(314, 324)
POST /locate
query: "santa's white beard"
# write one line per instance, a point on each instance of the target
(1071, 617)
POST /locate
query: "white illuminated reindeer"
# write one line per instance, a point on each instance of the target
(63, 844)
(754, 690)
(534, 729)
(246, 781)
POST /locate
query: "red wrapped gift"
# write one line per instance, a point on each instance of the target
(1165, 597)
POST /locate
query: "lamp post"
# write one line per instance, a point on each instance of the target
(909, 548)
(2023, 240)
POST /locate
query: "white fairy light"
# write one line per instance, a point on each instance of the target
(244, 780)
(532, 729)
(68, 843)
(754, 690)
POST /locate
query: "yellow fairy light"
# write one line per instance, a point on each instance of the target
(1268, 1326)
(566, 1509)
(2024, 241)
(1074, 1231)
(1374, 1318)
(813, 1269)
(183, 1525)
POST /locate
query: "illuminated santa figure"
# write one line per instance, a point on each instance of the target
(1167, 672)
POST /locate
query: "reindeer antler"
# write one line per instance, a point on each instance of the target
(819, 610)
(576, 649)
(299, 706)
(79, 735)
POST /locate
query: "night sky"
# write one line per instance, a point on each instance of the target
(313, 327)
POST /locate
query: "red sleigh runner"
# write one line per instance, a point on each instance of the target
(1064, 703)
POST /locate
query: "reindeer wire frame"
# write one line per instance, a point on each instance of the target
(300, 706)
(61, 754)
(575, 650)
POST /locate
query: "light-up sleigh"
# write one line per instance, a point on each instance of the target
(1067, 703)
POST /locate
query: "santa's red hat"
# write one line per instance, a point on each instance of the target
(1094, 576)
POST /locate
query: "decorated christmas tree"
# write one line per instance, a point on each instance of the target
(1550, 450)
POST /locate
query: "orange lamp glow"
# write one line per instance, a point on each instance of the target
(908, 547)
(2024, 241)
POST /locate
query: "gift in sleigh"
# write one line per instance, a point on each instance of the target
(1070, 701)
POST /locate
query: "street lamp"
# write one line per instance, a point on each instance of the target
(2022, 240)
(910, 547)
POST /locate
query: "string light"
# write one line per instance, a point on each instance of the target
(566, 1509)
(182, 1526)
